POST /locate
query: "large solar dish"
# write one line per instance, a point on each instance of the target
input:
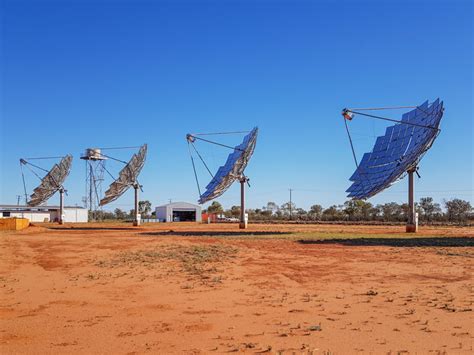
(233, 168)
(398, 151)
(127, 177)
(52, 182)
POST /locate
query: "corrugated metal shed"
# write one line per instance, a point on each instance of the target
(179, 212)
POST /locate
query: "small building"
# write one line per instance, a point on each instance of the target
(209, 217)
(72, 214)
(178, 212)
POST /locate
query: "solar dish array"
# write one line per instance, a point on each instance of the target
(52, 182)
(396, 152)
(127, 177)
(233, 168)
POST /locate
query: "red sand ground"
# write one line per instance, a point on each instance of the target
(116, 289)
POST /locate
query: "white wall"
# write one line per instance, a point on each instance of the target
(32, 216)
(76, 215)
(161, 213)
(71, 215)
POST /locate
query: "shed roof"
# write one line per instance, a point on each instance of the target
(180, 205)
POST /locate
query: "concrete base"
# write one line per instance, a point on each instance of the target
(243, 225)
(412, 228)
(136, 223)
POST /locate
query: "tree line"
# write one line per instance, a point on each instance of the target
(144, 208)
(455, 210)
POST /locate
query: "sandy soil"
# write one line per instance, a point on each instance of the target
(172, 288)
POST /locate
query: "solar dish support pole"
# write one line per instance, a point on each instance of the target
(136, 215)
(412, 225)
(61, 206)
(243, 221)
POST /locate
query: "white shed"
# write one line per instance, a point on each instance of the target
(72, 214)
(178, 212)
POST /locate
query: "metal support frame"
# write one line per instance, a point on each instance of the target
(346, 111)
(91, 184)
(60, 188)
(95, 168)
(136, 215)
(191, 139)
(412, 223)
(243, 221)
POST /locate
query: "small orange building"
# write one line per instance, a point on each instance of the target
(209, 217)
(14, 224)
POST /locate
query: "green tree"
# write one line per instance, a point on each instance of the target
(119, 214)
(391, 211)
(301, 213)
(429, 209)
(366, 210)
(215, 207)
(315, 212)
(404, 211)
(272, 207)
(101, 215)
(458, 210)
(287, 207)
(357, 210)
(266, 214)
(351, 209)
(233, 212)
(144, 208)
(332, 214)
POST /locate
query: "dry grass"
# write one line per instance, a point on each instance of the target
(198, 261)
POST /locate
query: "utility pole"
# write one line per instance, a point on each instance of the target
(291, 212)
(18, 200)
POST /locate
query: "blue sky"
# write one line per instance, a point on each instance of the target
(78, 74)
